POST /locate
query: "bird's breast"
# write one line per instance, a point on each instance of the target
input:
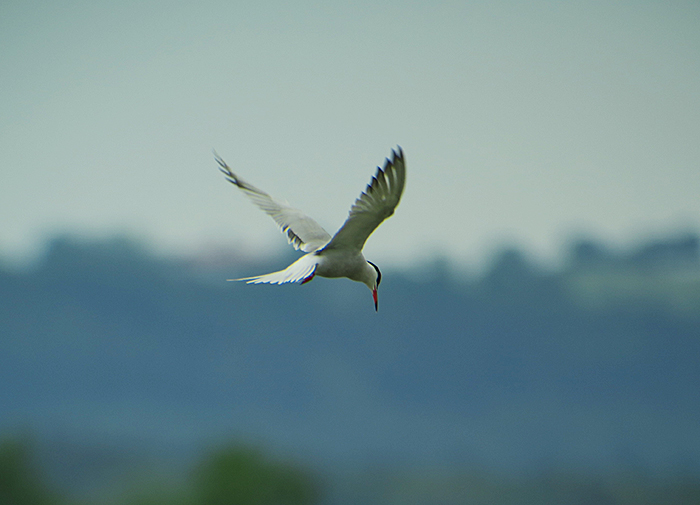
(341, 264)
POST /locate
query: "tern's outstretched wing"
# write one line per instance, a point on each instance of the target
(302, 232)
(373, 206)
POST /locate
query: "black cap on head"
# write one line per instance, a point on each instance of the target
(379, 274)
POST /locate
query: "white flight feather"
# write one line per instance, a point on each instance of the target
(302, 232)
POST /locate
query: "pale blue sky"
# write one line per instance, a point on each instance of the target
(523, 122)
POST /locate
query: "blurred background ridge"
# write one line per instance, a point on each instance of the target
(113, 359)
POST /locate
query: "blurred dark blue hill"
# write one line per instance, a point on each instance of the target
(594, 366)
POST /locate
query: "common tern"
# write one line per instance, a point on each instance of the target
(340, 255)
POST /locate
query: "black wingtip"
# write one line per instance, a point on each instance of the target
(395, 156)
(219, 159)
(225, 169)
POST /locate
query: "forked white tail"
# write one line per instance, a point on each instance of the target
(300, 270)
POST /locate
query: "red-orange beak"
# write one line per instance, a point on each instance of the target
(374, 295)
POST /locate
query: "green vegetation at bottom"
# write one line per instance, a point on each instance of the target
(243, 475)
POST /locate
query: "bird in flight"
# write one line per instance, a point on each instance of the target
(340, 255)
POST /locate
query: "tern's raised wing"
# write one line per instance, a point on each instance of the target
(373, 206)
(302, 232)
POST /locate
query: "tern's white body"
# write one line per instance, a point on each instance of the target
(340, 255)
(354, 266)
